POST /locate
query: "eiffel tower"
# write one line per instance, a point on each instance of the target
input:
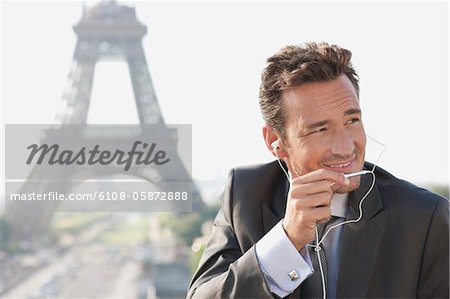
(105, 30)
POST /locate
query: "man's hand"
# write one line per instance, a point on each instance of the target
(309, 202)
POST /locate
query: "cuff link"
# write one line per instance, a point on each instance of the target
(293, 275)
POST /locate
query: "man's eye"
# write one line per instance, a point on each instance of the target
(319, 130)
(354, 120)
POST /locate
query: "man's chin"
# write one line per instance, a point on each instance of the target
(354, 184)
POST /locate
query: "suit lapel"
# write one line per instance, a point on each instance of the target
(273, 211)
(360, 241)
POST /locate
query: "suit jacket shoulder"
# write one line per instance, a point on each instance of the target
(229, 266)
(400, 247)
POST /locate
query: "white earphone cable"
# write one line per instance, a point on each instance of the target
(359, 208)
(317, 247)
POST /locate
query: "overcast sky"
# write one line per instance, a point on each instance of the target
(205, 60)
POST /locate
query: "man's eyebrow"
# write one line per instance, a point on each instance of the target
(317, 124)
(352, 111)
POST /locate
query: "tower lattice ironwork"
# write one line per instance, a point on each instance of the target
(105, 30)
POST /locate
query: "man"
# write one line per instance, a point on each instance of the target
(267, 238)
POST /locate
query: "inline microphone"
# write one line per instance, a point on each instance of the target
(350, 175)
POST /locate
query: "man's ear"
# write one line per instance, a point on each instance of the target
(273, 142)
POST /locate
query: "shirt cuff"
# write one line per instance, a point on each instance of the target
(283, 267)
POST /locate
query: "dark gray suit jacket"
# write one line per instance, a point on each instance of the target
(400, 249)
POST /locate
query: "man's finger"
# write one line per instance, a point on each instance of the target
(323, 174)
(322, 199)
(297, 190)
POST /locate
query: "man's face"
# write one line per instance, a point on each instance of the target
(324, 129)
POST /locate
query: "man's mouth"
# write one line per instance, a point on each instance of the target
(344, 166)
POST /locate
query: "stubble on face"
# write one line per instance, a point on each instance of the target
(316, 102)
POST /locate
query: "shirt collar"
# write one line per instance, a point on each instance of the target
(339, 205)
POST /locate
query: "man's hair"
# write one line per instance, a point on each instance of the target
(296, 65)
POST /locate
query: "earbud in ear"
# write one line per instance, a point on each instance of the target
(275, 145)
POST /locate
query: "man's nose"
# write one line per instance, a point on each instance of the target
(343, 143)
